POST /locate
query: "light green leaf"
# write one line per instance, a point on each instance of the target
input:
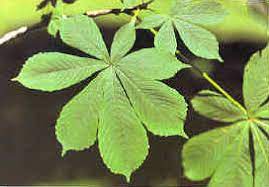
(131, 3)
(55, 71)
(256, 80)
(104, 105)
(263, 112)
(202, 153)
(165, 39)
(222, 153)
(76, 127)
(235, 167)
(122, 139)
(123, 42)
(198, 40)
(82, 33)
(261, 147)
(161, 108)
(214, 106)
(152, 21)
(151, 64)
(54, 26)
(199, 11)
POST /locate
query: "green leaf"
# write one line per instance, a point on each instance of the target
(152, 21)
(131, 3)
(199, 11)
(188, 16)
(122, 139)
(222, 153)
(151, 64)
(239, 164)
(214, 106)
(256, 80)
(82, 33)
(263, 112)
(235, 168)
(76, 128)
(123, 41)
(261, 156)
(54, 26)
(104, 106)
(202, 153)
(198, 40)
(161, 108)
(165, 40)
(55, 71)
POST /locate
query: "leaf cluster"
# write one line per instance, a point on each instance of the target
(126, 97)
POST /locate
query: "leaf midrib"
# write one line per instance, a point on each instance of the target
(77, 69)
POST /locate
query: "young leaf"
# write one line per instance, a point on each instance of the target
(123, 41)
(214, 106)
(235, 167)
(199, 11)
(199, 41)
(150, 99)
(166, 39)
(122, 139)
(261, 156)
(263, 112)
(49, 71)
(107, 104)
(82, 33)
(152, 21)
(222, 153)
(76, 127)
(188, 23)
(256, 80)
(131, 3)
(202, 153)
(152, 64)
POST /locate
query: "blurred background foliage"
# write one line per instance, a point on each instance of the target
(246, 19)
(30, 154)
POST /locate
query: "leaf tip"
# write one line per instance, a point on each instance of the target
(64, 151)
(15, 79)
(128, 177)
(219, 58)
(184, 135)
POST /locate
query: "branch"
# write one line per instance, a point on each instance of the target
(13, 34)
(117, 11)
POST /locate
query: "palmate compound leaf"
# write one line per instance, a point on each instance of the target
(111, 106)
(186, 17)
(224, 154)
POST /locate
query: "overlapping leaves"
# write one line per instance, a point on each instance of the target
(225, 153)
(187, 16)
(125, 95)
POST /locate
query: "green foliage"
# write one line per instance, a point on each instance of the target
(186, 16)
(125, 94)
(126, 97)
(224, 154)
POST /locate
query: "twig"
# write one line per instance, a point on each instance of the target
(12, 34)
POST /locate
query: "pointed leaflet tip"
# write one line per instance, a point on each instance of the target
(64, 151)
(15, 79)
(220, 59)
(184, 135)
(128, 177)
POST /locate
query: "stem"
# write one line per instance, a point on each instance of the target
(221, 90)
(211, 81)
